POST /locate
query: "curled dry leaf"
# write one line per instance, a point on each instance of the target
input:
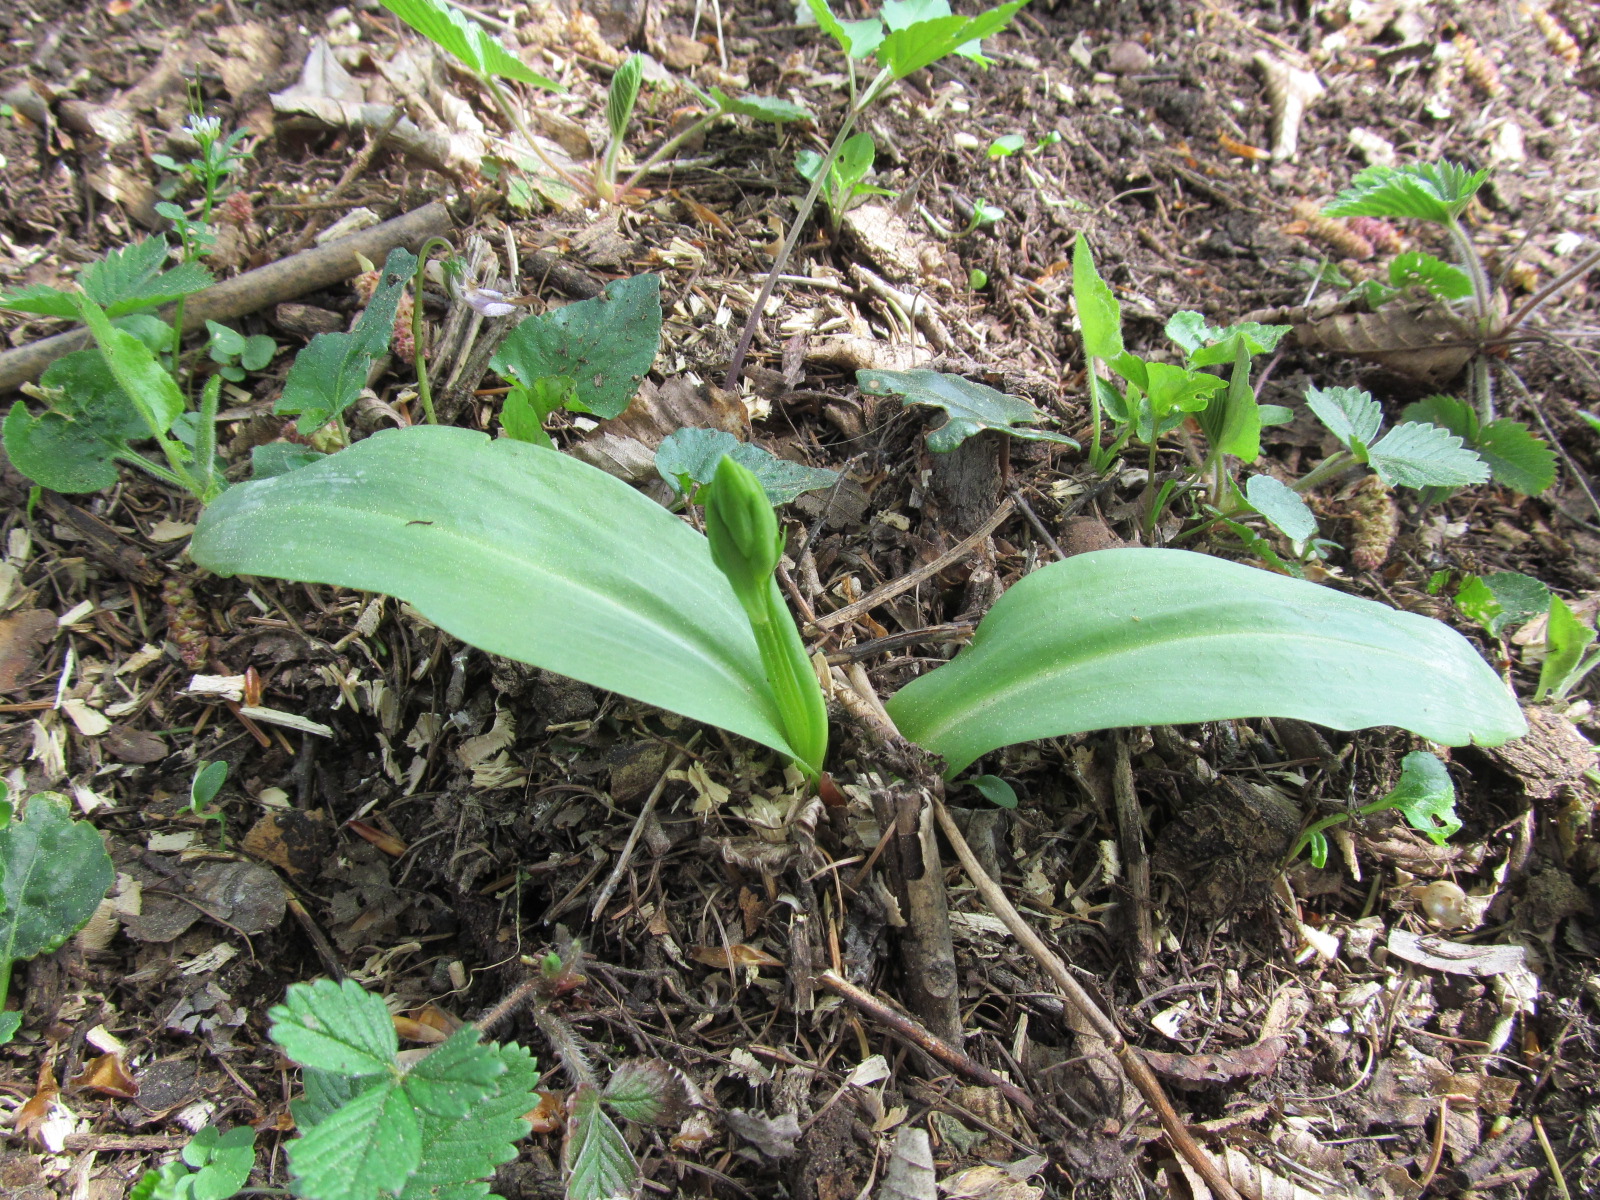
(909, 1175)
(723, 958)
(1416, 341)
(1201, 1070)
(988, 1183)
(108, 1075)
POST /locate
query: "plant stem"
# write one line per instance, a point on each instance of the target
(666, 148)
(510, 113)
(794, 684)
(1335, 463)
(1482, 289)
(1095, 459)
(419, 355)
(730, 381)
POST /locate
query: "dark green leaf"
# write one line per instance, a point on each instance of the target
(995, 790)
(1517, 458)
(54, 872)
(597, 1160)
(335, 1027)
(325, 1093)
(207, 782)
(1435, 192)
(74, 446)
(696, 452)
(42, 300)
(279, 458)
(222, 1161)
(455, 1076)
(456, 1152)
(329, 374)
(1502, 600)
(131, 278)
(647, 1091)
(1441, 278)
(369, 1146)
(925, 42)
(972, 407)
(606, 345)
(1425, 797)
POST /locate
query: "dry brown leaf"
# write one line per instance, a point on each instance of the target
(23, 637)
(417, 1031)
(107, 1074)
(29, 1118)
(551, 1113)
(739, 955)
(1201, 1070)
(988, 1183)
(1416, 341)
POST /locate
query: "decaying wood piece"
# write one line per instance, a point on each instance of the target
(1136, 861)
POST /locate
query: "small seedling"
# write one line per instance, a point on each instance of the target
(203, 788)
(845, 183)
(621, 98)
(238, 354)
(54, 872)
(1425, 797)
(1567, 657)
(213, 1165)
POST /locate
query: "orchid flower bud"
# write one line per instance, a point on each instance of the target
(746, 542)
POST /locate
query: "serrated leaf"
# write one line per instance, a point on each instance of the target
(696, 452)
(324, 1093)
(1425, 797)
(972, 407)
(1206, 345)
(1099, 314)
(335, 1027)
(760, 108)
(623, 94)
(1517, 458)
(606, 345)
(1435, 192)
(329, 374)
(460, 35)
(1417, 455)
(1446, 412)
(647, 1091)
(455, 1076)
(74, 446)
(1501, 600)
(856, 38)
(1282, 506)
(41, 300)
(368, 1146)
(1444, 280)
(54, 872)
(995, 790)
(925, 42)
(1350, 414)
(131, 279)
(595, 1156)
(221, 1161)
(457, 1152)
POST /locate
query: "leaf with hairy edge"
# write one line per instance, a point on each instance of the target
(325, 1093)
(1350, 414)
(1517, 458)
(972, 407)
(1417, 455)
(453, 31)
(926, 42)
(624, 93)
(335, 1026)
(1282, 506)
(1436, 192)
(125, 281)
(693, 454)
(1099, 313)
(571, 570)
(455, 1153)
(369, 1146)
(456, 1076)
(648, 1091)
(605, 345)
(329, 374)
(54, 872)
(1441, 278)
(1170, 637)
(760, 108)
(596, 1158)
(74, 447)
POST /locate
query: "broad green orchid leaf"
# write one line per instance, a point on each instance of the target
(1171, 637)
(517, 550)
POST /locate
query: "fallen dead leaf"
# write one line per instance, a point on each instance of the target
(108, 1075)
(23, 637)
(740, 955)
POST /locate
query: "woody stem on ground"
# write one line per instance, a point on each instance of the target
(419, 352)
(1132, 1062)
(730, 382)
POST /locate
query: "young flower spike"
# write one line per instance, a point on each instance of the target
(746, 544)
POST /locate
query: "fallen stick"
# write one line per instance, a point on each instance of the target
(319, 267)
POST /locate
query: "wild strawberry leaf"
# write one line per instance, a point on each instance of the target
(1435, 192)
(456, 1153)
(1282, 506)
(368, 1146)
(335, 1027)
(1350, 414)
(597, 1160)
(456, 1076)
(1417, 455)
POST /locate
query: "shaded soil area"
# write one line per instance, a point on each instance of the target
(451, 818)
